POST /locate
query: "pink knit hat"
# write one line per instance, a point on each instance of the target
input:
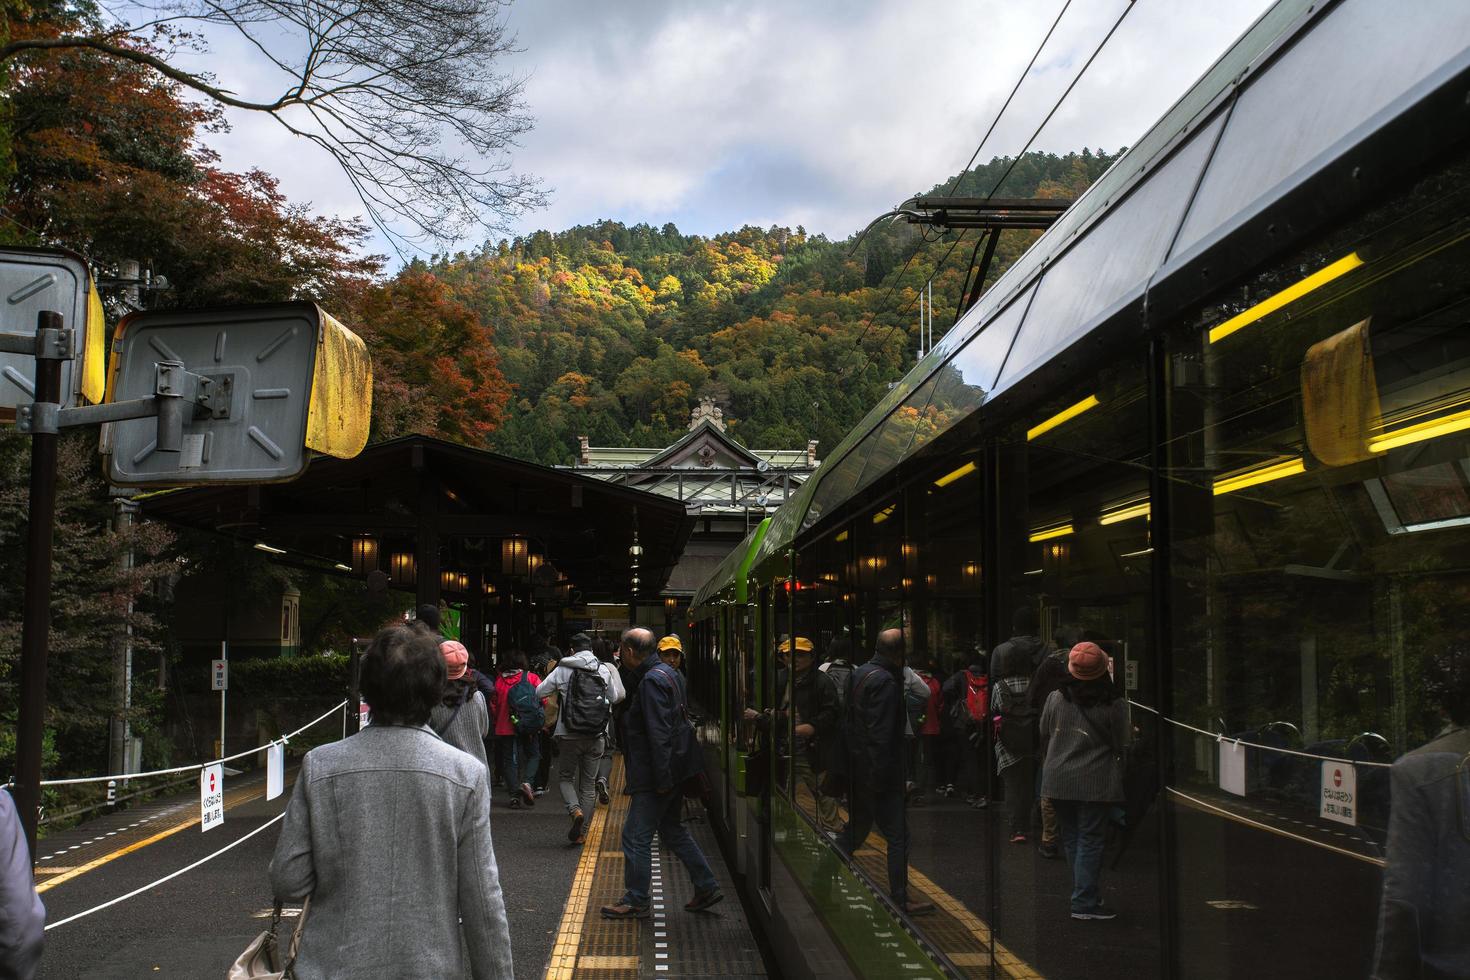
(1087, 662)
(456, 658)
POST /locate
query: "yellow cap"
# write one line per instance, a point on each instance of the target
(670, 642)
(803, 645)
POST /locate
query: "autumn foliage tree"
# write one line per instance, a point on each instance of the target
(435, 368)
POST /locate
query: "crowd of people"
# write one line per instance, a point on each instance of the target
(408, 799)
(1046, 723)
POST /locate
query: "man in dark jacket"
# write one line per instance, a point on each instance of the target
(875, 744)
(660, 752)
(818, 710)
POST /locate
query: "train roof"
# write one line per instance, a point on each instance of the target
(1266, 132)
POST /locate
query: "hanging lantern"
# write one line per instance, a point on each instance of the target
(364, 554)
(514, 552)
(970, 574)
(671, 605)
(401, 568)
(533, 562)
(448, 580)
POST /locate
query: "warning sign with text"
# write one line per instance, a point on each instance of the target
(1339, 793)
(211, 797)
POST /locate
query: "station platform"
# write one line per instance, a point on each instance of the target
(672, 942)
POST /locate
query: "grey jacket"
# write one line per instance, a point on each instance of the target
(1082, 750)
(22, 916)
(465, 729)
(389, 833)
(1426, 904)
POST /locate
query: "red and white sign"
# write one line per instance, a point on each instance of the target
(219, 675)
(1339, 793)
(211, 797)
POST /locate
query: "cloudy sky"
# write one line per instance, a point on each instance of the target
(823, 113)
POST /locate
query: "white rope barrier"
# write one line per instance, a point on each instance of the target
(151, 885)
(198, 765)
(1220, 737)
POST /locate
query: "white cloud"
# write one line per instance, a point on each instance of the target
(822, 114)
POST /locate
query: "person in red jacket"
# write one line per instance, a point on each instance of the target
(519, 751)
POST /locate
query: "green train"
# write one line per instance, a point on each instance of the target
(1216, 419)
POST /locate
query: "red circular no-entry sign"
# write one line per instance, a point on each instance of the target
(1337, 777)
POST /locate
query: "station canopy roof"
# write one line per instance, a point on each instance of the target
(468, 500)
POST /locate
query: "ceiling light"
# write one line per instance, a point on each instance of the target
(1241, 479)
(1420, 432)
(954, 475)
(1046, 534)
(1124, 512)
(1290, 294)
(1065, 415)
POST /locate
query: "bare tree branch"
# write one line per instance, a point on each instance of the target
(405, 95)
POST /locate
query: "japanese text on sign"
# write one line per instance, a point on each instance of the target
(211, 797)
(219, 675)
(1339, 793)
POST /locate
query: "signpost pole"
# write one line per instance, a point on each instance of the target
(224, 654)
(37, 624)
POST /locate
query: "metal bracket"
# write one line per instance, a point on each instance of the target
(46, 344)
(38, 418)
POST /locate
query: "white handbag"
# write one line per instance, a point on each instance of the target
(261, 958)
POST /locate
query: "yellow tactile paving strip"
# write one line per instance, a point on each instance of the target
(955, 930)
(588, 946)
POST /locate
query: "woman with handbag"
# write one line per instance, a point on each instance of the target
(388, 833)
(1084, 733)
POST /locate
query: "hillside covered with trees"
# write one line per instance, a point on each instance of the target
(614, 331)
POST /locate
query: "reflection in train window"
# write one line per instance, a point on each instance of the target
(1319, 446)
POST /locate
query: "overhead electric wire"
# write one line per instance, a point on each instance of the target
(923, 237)
(1016, 160)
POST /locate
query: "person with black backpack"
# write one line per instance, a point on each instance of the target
(587, 690)
(1011, 665)
(519, 716)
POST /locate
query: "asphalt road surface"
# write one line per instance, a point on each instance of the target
(194, 925)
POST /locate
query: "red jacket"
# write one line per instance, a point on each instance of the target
(500, 710)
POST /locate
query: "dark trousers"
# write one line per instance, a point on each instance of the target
(650, 813)
(1084, 828)
(519, 756)
(1019, 779)
(886, 808)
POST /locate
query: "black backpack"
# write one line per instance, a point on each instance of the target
(586, 706)
(841, 673)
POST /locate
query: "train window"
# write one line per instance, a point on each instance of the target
(1073, 556)
(823, 624)
(1319, 474)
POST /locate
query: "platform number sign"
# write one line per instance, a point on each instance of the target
(211, 797)
(1339, 792)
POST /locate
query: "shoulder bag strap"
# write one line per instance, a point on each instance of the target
(288, 971)
(1091, 727)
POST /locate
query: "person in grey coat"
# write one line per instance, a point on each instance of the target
(1084, 733)
(388, 833)
(461, 717)
(22, 916)
(1422, 920)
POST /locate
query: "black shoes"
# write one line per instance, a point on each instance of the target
(704, 900)
(1101, 913)
(625, 911)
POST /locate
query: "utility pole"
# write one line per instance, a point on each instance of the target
(40, 528)
(120, 734)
